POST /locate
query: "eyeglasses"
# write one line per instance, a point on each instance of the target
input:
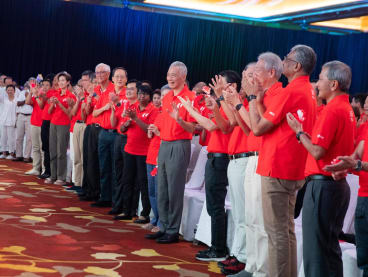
(286, 58)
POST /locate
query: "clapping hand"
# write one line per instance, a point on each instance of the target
(131, 113)
(294, 124)
(231, 96)
(174, 113)
(186, 103)
(218, 85)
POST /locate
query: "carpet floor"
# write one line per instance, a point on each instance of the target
(47, 231)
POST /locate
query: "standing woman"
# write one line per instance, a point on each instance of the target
(60, 107)
(7, 120)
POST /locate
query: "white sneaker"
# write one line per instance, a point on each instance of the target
(32, 172)
(9, 157)
(2, 156)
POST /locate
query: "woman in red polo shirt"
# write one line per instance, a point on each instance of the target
(60, 107)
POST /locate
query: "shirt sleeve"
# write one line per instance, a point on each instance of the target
(324, 129)
(276, 110)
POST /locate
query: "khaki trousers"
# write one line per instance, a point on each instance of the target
(23, 127)
(278, 201)
(78, 134)
(37, 154)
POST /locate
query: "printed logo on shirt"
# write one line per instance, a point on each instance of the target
(145, 114)
(179, 105)
(352, 117)
(201, 109)
(320, 136)
(300, 114)
(271, 113)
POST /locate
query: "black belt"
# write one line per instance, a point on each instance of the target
(80, 121)
(110, 130)
(96, 125)
(26, 114)
(243, 155)
(320, 177)
(217, 155)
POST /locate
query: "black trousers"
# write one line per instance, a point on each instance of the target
(119, 144)
(216, 182)
(93, 167)
(45, 134)
(361, 232)
(85, 158)
(324, 208)
(135, 179)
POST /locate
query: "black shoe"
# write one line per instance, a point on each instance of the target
(18, 159)
(73, 188)
(157, 235)
(123, 216)
(88, 198)
(168, 238)
(101, 204)
(44, 176)
(142, 220)
(211, 255)
(231, 260)
(114, 212)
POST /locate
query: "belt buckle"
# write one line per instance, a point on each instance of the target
(231, 157)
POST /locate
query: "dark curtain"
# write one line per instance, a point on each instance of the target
(42, 36)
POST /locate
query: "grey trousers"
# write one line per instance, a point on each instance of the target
(324, 208)
(59, 141)
(173, 161)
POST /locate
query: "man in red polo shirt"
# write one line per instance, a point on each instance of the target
(282, 159)
(106, 138)
(173, 160)
(102, 71)
(326, 200)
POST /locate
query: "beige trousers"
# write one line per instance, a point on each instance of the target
(278, 201)
(78, 134)
(37, 153)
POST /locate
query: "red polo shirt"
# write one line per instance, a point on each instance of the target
(281, 155)
(238, 142)
(45, 110)
(58, 115)
(119, 113)
(363, 175)
(36, 117)
(104, 118)
(219, 142)
(171, 130)
(89, 117)
(137, 141)
(154, 146)
(98, 91)
(253, 142)
(334, 131)
(200, 105)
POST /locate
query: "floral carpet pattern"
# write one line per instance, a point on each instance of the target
(47, 231)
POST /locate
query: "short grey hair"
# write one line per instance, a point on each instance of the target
(165, 87)
(181, 66)
(306, 56)
(249, 65)
(340, 72)
(105, 66)
(272, 61)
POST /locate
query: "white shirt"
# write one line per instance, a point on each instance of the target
(25, 109)
(8, 111)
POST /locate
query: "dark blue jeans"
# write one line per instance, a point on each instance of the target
(361, 234)
(106, 145)
(216, 182)
(152, 193)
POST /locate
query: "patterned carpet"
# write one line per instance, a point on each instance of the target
(46, 231)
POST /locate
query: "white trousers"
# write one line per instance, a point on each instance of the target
(70, 165)
(8, 139)
(23, 127)
(256, 236)
(236, 175)
(37, 153)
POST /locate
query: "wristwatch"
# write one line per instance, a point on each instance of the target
(251, 97)
(221, 98)
(299, 134)
(238, 107)
(359, 166)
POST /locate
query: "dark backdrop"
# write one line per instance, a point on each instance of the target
(42, 36)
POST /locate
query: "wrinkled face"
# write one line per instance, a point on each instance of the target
(324, 84)
(119, 78)
(62, 82)
(289, 64)
(102, 75)
(143, 98)
(84, 81)
(46, 86)
(175, 78)
(261, 73)
(131, 91)
(156, 100)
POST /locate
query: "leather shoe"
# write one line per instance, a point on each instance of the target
(168, 238)
(27, 160)
(157, 235)
(114, 212)
(123, 217)
(101, 204)
(88, 198)
(44, 176)
(18, 159)
(142, 220)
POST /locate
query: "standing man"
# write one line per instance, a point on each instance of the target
(326, 200)
(174, 155)
(282, 159)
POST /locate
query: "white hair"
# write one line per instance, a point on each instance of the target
(105, 66)
(182, 67)
(272, 61)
